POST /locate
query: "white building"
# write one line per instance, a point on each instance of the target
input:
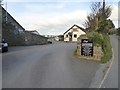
(73, 33)
(56, 38)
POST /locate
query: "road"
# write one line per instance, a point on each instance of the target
(46, 66)
(111, 80)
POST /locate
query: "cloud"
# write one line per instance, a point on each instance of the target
(114, 15)
(52, 22)
(59, 0)
(57, 22)
(47, 19)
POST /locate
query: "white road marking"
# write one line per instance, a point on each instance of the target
(107, 70)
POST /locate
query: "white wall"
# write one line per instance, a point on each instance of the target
(80, 32)
(73, 38)
(67, 38)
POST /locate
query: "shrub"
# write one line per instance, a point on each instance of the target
(112, 31)
(118, 31)
(97, 39)
(106, 47)
(103, 40)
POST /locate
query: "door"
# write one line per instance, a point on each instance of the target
(70, 38)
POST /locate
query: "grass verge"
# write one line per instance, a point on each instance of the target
(107, 49)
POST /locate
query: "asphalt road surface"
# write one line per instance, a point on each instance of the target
(111, 81)
(46, 66)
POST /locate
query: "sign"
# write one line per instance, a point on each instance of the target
(86, 47)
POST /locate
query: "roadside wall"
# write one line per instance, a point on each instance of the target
(15, 35)
(12, 31)
(34, 39)
(97, 51)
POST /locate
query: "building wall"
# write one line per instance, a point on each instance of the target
(78, 32)
(73, 38)
(67, 38)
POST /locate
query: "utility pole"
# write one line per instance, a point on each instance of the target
(104, 10)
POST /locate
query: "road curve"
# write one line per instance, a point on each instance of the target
(111, 79)
(46, 66)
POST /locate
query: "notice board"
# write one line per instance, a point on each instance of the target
(87, 47)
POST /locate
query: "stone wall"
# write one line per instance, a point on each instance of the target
(97, 50)
(34, 39)
(0, 23)
(12, 31)
(97, 53)
(15, 35)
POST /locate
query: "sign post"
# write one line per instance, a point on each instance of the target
(86, 47)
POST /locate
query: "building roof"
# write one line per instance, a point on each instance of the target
(34, 32)
(76, 26)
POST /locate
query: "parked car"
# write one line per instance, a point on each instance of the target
(3, 46)
(50, 42)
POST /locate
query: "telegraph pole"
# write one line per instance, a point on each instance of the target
(104, 9)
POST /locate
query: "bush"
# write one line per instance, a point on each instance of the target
(112, 31)
(102, 26)
(107, 49)
(103, 40)
(97, 39)
(118, 31)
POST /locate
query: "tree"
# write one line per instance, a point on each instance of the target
(97, 19)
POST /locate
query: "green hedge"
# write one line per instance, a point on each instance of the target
(107, 49)
(102, 40)
(96, 37)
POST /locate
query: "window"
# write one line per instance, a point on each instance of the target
(75, 35)
(66, 35)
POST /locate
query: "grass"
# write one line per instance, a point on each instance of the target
(102, 40)
(75, 52)
(96, 37)
(107, 49)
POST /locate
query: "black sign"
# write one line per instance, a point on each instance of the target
(86, 47)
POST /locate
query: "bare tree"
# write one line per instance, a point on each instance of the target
(91, 21)
(99, 13)
(95, 7)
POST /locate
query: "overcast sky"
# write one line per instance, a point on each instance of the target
(53, 17)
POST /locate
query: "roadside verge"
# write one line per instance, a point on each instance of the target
(102, 73)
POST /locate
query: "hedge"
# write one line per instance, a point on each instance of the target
(107, 49)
